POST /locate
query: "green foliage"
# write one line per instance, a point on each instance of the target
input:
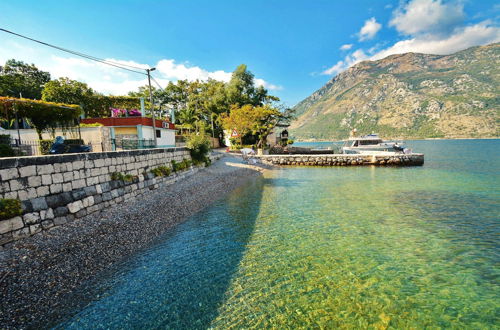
(41, 114)
(65, 90)
(161, 171)
(9, 208)
(118, 176)
(44, 146)
(17, 77)
(6, 150)
(91, 125)
(184, 164)
(199, 147)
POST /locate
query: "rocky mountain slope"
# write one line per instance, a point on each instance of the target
(409, 95)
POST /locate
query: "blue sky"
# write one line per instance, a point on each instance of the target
(292, 47)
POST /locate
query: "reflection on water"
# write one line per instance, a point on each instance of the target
(327, 247)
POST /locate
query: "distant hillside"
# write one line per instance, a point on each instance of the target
(409, 95)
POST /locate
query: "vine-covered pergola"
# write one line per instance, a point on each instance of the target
(41, 115)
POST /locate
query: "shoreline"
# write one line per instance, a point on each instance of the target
(41, 275)
(407, 139)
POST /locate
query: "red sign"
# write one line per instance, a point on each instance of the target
(234, 133)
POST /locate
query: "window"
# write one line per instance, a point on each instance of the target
(158, 133)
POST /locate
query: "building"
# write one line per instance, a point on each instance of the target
(133, 132)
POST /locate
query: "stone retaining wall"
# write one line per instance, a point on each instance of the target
(54, 190)
(345, 160)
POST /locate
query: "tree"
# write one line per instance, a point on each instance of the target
(259, 121)
(17, 77)
(241, 89)
(65, 90)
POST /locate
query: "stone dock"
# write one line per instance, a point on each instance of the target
(345, 160)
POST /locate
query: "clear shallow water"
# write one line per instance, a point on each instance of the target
(327, 247)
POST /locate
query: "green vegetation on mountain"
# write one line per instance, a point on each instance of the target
(408, 95)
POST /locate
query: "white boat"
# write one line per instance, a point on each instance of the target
(372, 144)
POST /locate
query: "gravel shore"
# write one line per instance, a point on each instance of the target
(40, 276)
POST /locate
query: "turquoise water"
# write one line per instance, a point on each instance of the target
(348, 247)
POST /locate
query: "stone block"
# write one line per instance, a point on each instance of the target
(89, 164)
(60, 221)
(66, 187)
(79, 164)
(55, 188)
(92, 181)
(21, 233)
(26, 206)
(79, 184)
(5, 238)
(75, 206)
(27, 171)
(27, 194)
(67, 176)
(97, 199)
(45, 169)
(39, 204)
(81, 213)
(107, 196)
(4, 187)
(57, 178)
(78, 194)
(11, 225)
(46, 179)
(17, 184)
(54, 201)
(69, 167)
(61, 211)
(105, 187)
(9, 174)
(99, 162)
(42, 191)
(35, 229)
(31, 218)
(89, 201)
(47, 214)
(47, 224)
(76, 175)
(90, 191)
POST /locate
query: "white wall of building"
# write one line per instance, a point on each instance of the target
(167, 138)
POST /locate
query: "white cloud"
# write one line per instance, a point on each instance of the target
(428, 17)
(108, 79)
(350, 60)
(479, 34)
(369, 30)
(346, 47)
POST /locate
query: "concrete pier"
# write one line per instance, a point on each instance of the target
(389, 159)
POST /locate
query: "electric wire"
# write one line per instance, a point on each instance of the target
(90, 57)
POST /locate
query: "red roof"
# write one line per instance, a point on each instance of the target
(129, 121)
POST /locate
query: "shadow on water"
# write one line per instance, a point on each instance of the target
(181, 281)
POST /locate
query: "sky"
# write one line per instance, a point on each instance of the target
(292, 47)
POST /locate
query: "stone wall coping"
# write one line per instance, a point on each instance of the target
(12, 162)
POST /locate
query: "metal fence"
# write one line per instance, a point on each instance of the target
(131, 144)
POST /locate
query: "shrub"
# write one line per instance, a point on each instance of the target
(91, 125)
(199, 147)
(117, 176)
(175, 166)
(44, 146)
(6, 151)
(9, 208)
(161, 171)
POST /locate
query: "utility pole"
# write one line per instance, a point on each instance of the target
(152, 105)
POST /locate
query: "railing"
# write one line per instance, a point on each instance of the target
(42, 147)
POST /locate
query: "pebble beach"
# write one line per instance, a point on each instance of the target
(40, 276)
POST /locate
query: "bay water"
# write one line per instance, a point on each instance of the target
(326, 247)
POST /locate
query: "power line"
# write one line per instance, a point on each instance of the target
(90, 57)
(156, 82)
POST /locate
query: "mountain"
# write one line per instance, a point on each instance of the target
(408, 95)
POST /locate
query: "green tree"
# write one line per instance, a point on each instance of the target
(17, 77)
(65, 90)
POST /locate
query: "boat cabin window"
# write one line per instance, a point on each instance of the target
(369, 142)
